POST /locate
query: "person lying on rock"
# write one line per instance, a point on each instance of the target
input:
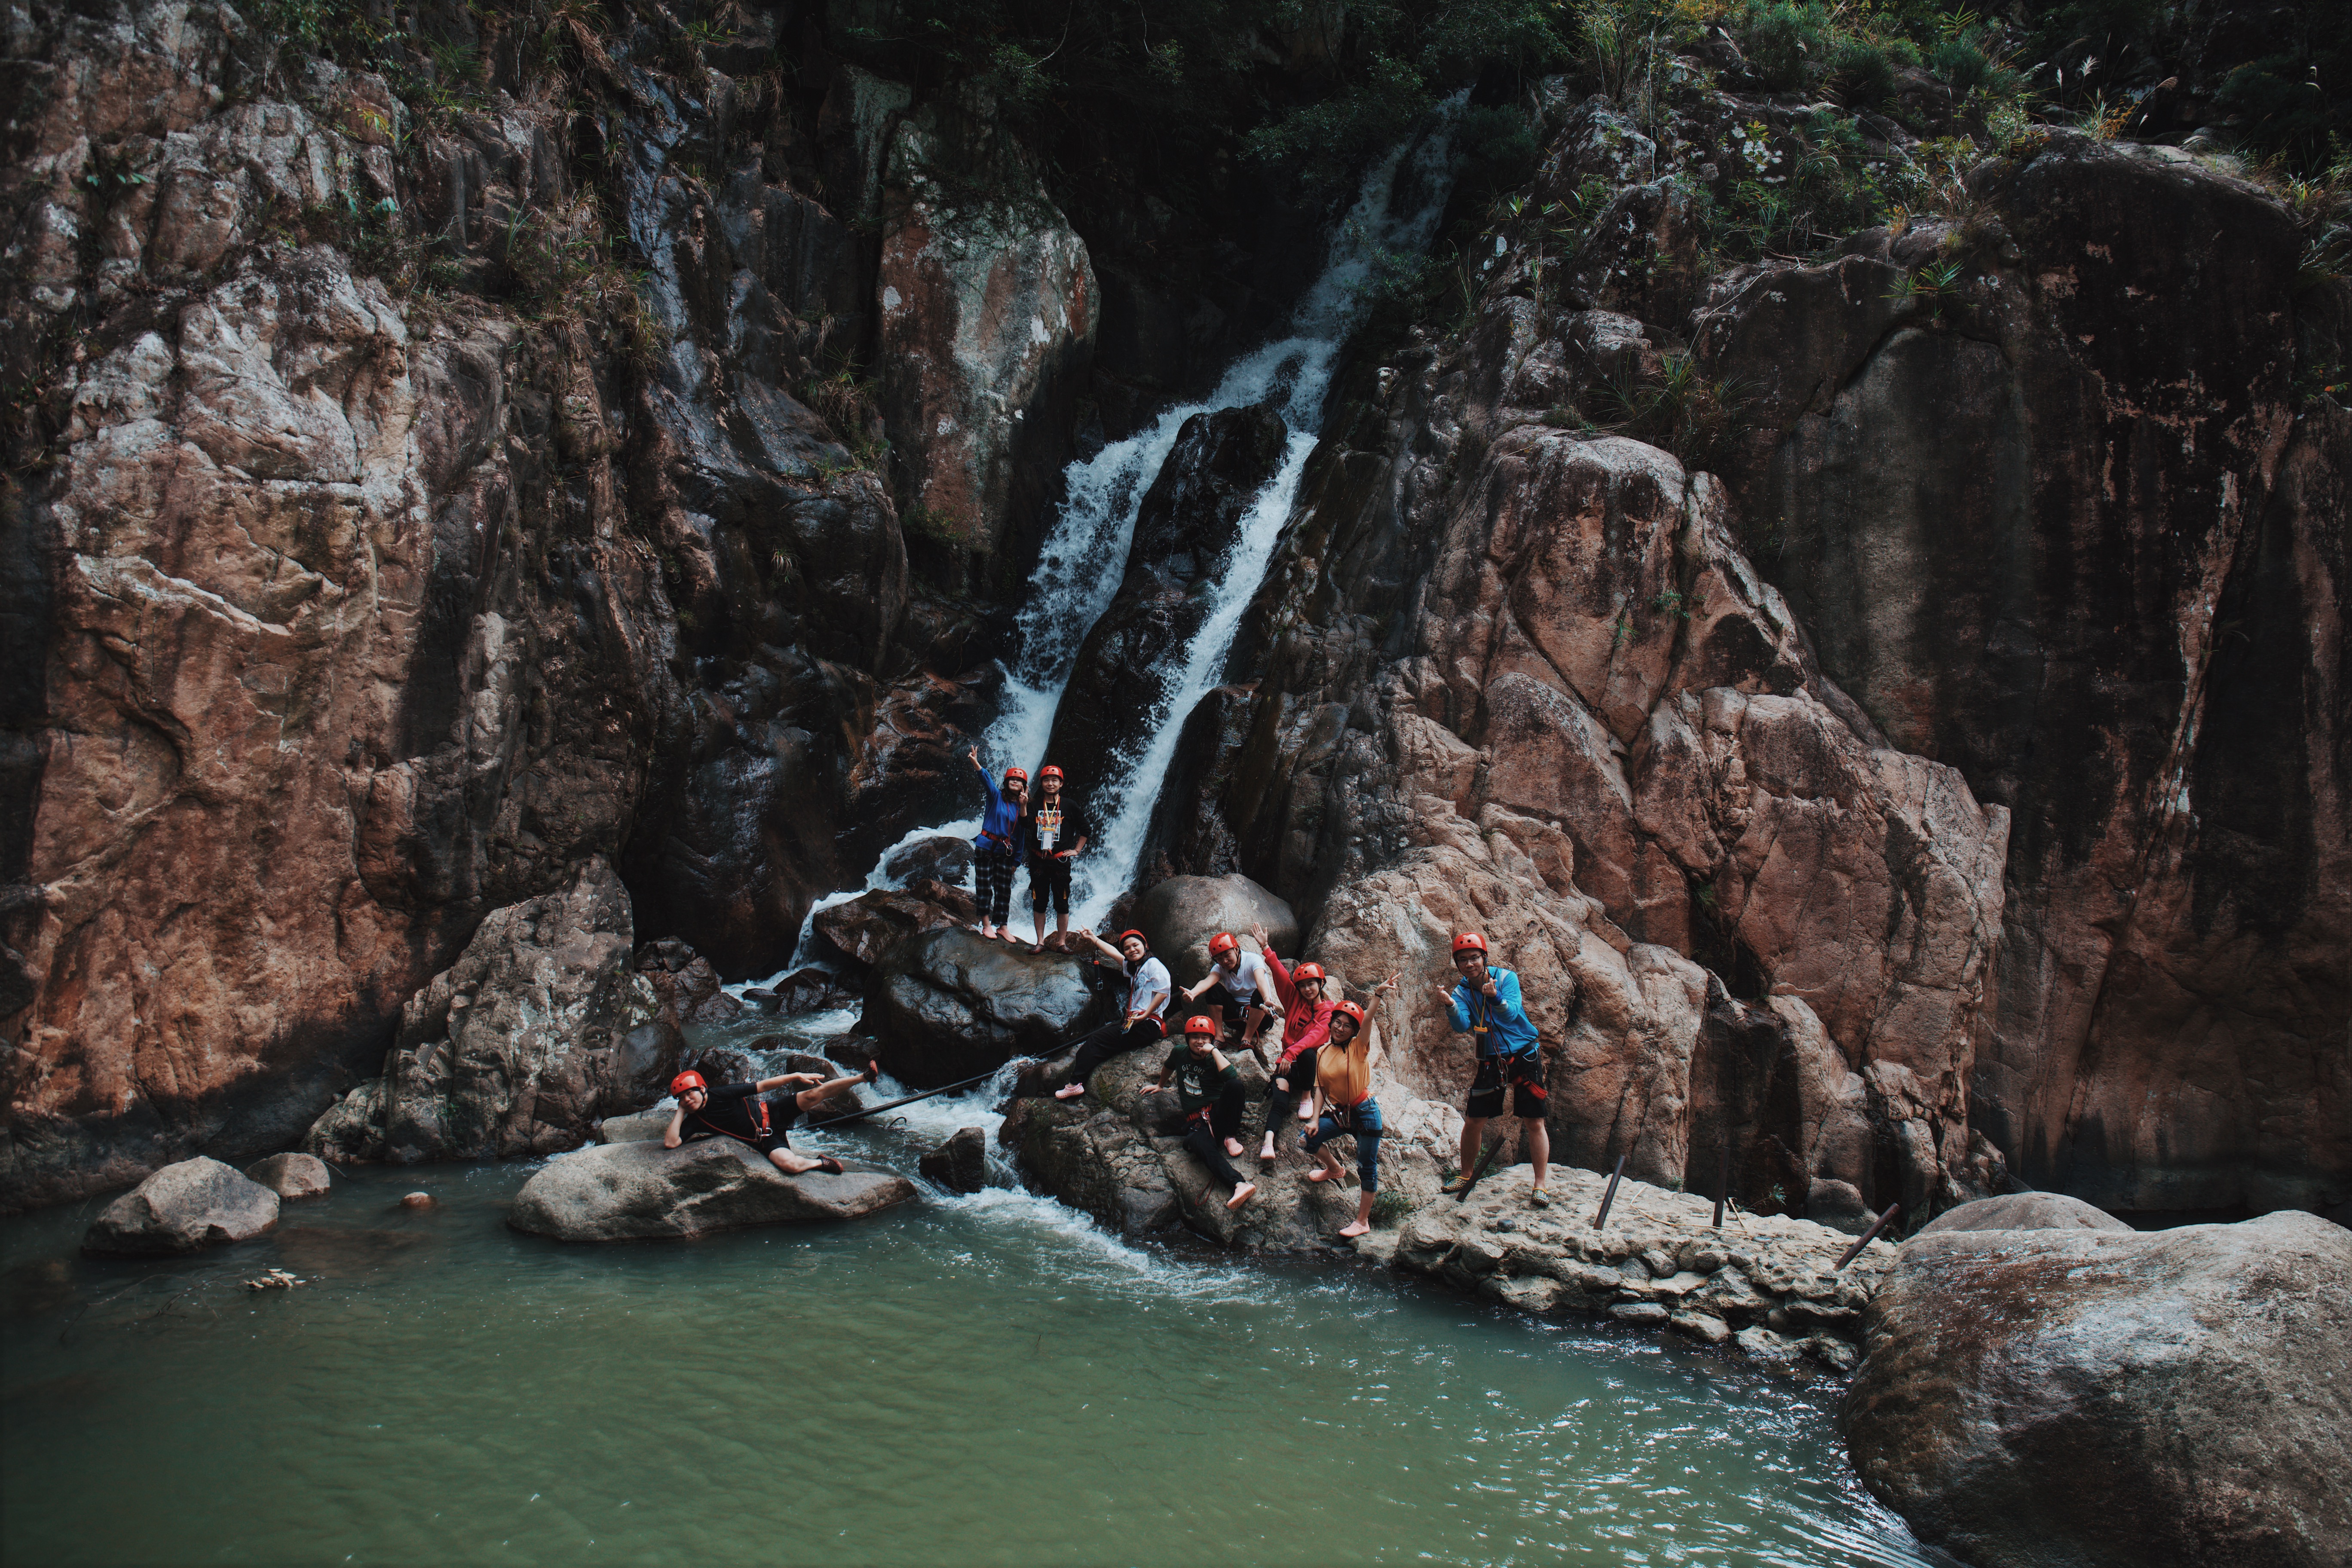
(1242, 986)
(1139, 1023)
(1208, 1092)
(1055, 838)
(1306, 1017)
(734, 1111)
(1343, 1103)
(1485, 1004)
(994, 852)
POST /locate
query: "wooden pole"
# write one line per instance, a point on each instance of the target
(1600, 1220)
(1722, 1185)
(1867, 1237)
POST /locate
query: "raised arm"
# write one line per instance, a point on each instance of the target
(1107, 951)
(826, 1089)
(1285, 993)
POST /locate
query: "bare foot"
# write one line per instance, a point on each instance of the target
(1069, 1092)
(1265, 1155)
(1306, 1113)
(1240, 1194)
(1361, 1227)
(1233, 1147)
(1320, 1176)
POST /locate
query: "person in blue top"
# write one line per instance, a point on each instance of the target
(1486, 1003)
(997, 849)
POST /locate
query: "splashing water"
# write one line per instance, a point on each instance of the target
(1078, 571)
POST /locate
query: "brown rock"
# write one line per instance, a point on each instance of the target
(185, 1208)
(2023, 1210)
(292, 1176)
(689, 987)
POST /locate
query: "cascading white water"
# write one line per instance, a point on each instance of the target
(1079, 570)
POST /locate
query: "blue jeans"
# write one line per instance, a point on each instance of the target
(1364, 1122)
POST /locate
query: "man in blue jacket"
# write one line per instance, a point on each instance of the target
(1485, 1004)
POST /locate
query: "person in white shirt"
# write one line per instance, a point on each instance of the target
(1246, 986)
(1141, 1023)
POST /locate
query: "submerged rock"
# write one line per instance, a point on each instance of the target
(959, 1164)
(639, 1191)
(186, 1208)
(2112, 1398)
(291, 1175)
(951, 1005)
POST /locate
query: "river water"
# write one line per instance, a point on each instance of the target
(985, 1379)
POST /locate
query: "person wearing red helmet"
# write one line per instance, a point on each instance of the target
(1486, 1004)
(733, 1110)
(1208, 1092)
(1343, 1103)
(1055, 838)
(997, 848)
(1242, 986)
(1307, 1015)
(1139, 1024)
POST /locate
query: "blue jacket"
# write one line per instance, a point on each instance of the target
(1001, 817)
(1503, 1026)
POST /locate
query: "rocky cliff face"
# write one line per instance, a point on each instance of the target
(1890, 706)
(1940, 849)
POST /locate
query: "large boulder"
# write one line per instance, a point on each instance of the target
(2079, 1398)
(292, 1176)
(1117, 1153)
(1180, 914)
(541, 1028)
(640, 1191)
(690, 989)
(870, 928)
(951, 1005)
(186, 1208)
(2023, 1210)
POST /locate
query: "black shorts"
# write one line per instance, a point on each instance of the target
(1524, 1076)
(1049, 877)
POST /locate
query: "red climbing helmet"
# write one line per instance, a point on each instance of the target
(1469, 941)
(1200, 1024)
(1016, 775)
(1048, 772)
(1307, 972)
(1224, 941)
(685, 1081)
(1137, 936)
(1350, 1010)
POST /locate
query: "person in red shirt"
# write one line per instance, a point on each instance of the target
(1305, 1024)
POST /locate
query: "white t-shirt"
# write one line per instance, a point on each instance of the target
(1242, 983)
(1145, 982)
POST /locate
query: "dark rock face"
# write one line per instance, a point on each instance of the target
(959, 1164)
(1182, 913)
(948, 1006)
(870, 928)
(1184, 530)
(186, 1208)
(291, 1175)
(2134, 646)
(639, 1191)
(689, 987)
(540, 1029)
(2079, 1396)
(943, 858)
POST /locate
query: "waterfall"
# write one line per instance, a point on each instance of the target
(1083, 556)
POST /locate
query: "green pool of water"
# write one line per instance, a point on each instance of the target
(978, 1380)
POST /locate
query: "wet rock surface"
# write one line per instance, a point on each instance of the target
(639, 1191)
(1117, 1152)
(185, 1208)
(542, 1025)
(951, 1005)
(959, 1164)
(292, 1176)
(1765, 1281)
(2100, 1397)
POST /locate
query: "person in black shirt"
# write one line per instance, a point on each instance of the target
(1209, 1094)
(1053, 837)
(733, 1110)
